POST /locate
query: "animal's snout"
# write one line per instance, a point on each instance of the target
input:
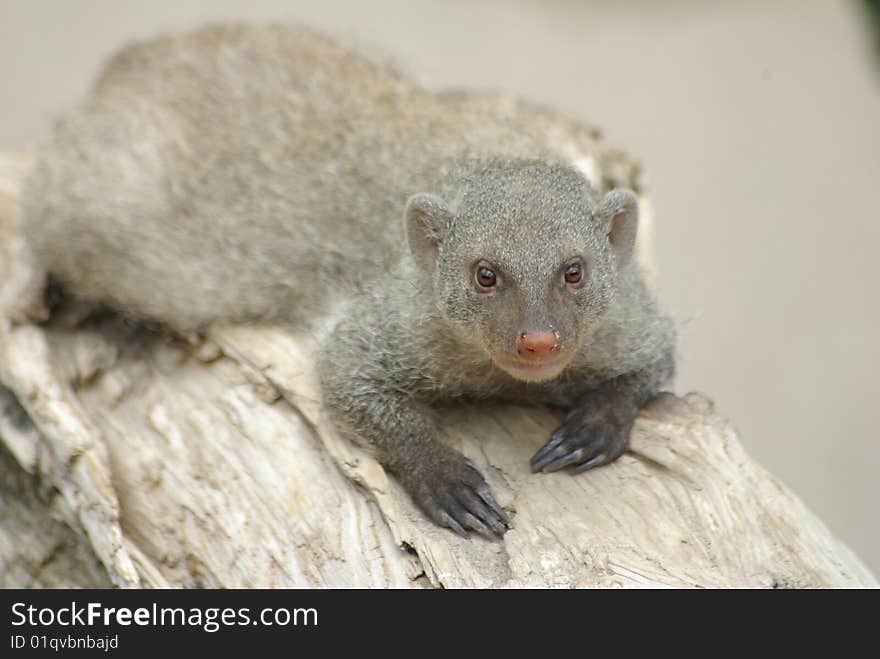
(537, 345)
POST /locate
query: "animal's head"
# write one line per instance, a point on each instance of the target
(524, 261)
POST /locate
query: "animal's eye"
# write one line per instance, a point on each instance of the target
(573, 275)
(486, 278)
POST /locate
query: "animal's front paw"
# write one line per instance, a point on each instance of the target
(591, 435)
(454, 494)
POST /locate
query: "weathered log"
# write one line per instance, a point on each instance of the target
(214, 465)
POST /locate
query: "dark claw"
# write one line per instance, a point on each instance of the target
(475, 524)
(468, 521)
(486, 495)
(560, 457)
(447, 520)
(478, 509)
(598, 461)
(547, 458)
(572, 457)
(555, 440)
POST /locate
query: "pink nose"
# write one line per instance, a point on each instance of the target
(537, 345)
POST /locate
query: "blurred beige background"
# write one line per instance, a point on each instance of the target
(758, 123)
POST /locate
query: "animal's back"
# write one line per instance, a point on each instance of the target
(242, 172)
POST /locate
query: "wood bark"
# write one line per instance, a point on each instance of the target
(138, 459)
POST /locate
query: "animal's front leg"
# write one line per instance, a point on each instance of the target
(364, 400)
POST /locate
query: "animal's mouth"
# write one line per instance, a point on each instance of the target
(532, 370)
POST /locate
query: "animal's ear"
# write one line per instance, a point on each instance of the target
(618, 214)
(427, 220)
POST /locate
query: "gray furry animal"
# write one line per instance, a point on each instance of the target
(441, 252)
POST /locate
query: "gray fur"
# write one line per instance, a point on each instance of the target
(269, 173)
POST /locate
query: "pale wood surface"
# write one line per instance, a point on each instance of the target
(179, 466)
